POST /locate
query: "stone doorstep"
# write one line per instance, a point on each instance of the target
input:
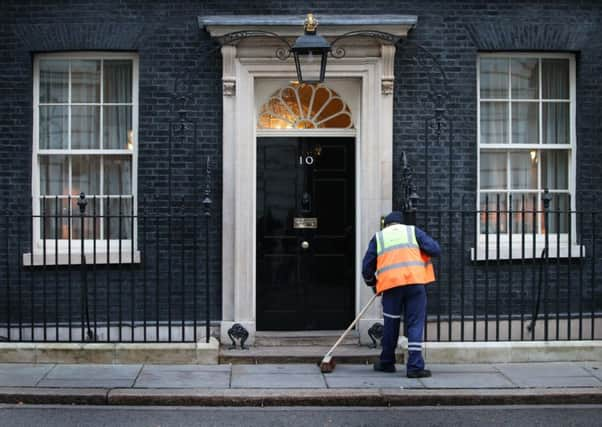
(111, 353)
(301, 354)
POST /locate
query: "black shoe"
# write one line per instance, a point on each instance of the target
(425, 373)
(384, 367)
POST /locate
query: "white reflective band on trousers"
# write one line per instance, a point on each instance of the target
(392, 316)
(414, 346)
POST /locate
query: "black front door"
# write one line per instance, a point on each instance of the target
(305, 233)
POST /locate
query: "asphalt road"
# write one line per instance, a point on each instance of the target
(64, 416)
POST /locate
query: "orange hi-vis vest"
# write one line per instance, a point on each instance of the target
(400, 261)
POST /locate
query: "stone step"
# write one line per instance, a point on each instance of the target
(300, 354)
(304, 338)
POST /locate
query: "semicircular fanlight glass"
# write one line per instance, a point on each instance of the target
(305, 106)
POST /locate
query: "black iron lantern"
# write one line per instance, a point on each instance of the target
(311, 53)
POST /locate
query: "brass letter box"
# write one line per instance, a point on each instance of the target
(305, 223)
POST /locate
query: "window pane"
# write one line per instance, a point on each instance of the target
(117, 85)
(117, 175)
(555, 169)
(556, 127)
(85, 127)
(55, 225)
(117, 123)
(54, 175)
(494, 123)
(54, 81)
(558, 215)
(54, 124)
(85, 175)
(523, 170)
(85, 81)
(555, 78)
(493, 171)
(494, 77)
(524, 213)
(525, 78)
(525, 123)
(491, 219)
(118, 214)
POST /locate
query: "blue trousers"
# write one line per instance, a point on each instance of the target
(412, 301)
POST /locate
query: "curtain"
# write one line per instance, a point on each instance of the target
(117, 89)
(525, 123)
(118, 182)
(554, 170)
(556, 123)
(494, 122)
(523, 170)
(494, 78)
(555, 78)
(555, 86)
(85, 127)
(54, 179)
(493, 171)
(54, 81)
(85, 81)
(525, 78)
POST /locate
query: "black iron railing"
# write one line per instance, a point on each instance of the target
(126, 275)
(147, 274)
(519, 274)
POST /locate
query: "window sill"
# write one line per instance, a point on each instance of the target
(63, 258)
(482, 254)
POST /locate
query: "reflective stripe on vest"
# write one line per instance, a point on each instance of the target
(400, 261)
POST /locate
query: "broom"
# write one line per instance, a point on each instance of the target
(328, 364)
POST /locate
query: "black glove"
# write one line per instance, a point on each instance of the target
(373, 288)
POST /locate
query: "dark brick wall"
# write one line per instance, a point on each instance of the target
(171, 48)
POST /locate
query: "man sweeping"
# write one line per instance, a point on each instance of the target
(398, 265)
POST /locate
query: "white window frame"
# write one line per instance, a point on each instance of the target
(511, 246)
(69, 251)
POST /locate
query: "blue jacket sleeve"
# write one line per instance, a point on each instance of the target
(429, 245)
(369, 263)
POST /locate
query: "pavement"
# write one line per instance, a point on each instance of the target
(300, 384)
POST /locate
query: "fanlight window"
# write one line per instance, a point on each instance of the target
(305, 106)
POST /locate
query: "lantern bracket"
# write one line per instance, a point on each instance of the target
(232, 39)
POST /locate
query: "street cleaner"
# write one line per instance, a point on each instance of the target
(397, 265)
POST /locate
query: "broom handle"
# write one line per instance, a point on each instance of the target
(342, 337)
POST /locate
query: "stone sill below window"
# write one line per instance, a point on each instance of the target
(63, 258)
(562, 252)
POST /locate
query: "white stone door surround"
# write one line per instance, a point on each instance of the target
(367, 62)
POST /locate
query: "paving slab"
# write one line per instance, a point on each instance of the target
(86, 376)
(390, 381)
(461, 368)
(557, 382)
(467, 380)
(22, 375)
(522, 370)
(188, 376)
(94, 371)
(187, 368)
(285, 368)
(594, 369)
(278, 381)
